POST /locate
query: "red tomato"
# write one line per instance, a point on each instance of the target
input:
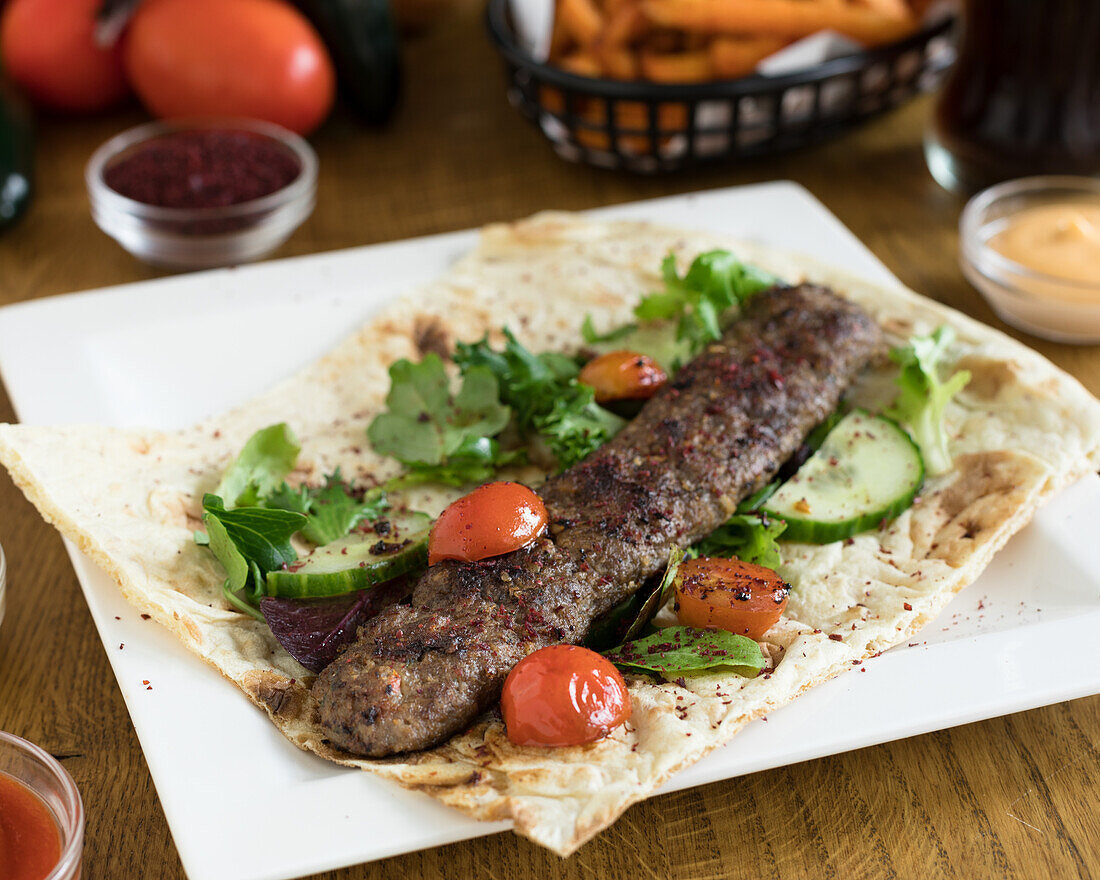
(49, 50)
(254, 58)
(494, 519)
(623, 375)
(730, 594)
(563, 696)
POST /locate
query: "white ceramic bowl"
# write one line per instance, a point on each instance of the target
(1044, 305)
(180, 238)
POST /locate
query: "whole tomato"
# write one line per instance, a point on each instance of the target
(254, 58)
(48, 49)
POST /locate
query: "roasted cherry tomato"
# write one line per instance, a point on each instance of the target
(49, 50)
(251, 58)
(730, 594)
(563, 696)
(623, 375)
(494, 519)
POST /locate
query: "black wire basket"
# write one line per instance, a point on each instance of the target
(652, 127)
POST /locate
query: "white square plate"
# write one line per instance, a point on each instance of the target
(167, 353)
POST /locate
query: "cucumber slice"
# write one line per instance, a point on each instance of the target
(867, 470)
(356, 561)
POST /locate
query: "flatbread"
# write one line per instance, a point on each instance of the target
(130, 499)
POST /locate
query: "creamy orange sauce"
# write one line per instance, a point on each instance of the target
(1060, 240)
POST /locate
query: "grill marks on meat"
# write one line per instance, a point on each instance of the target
(719, 432)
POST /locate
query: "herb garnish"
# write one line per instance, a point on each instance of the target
(332, 511)
(544, 395)
(714, 282)
(436, 433)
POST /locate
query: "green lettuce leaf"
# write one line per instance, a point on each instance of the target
(425, 423)
(923, 397)
(249, 542)
(680, 650)
(750, 537)
(260, 467)
(714, 282)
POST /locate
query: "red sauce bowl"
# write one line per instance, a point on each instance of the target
(37, 771)
(198, 236)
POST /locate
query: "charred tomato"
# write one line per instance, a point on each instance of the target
(623, 375)
(729, 594)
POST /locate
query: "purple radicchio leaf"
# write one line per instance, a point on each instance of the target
(314, 630)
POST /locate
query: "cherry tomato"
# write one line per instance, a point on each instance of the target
(623, 375)
(730, 594)
(494, 519)
(253, 58)
(49, 50)
(563, 696)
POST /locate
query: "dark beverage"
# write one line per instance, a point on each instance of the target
(1023, 97)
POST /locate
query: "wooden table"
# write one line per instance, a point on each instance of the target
(1015, 796)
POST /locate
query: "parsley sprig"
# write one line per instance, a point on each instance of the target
(713, 283)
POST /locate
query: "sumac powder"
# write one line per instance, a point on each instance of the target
(203, 168)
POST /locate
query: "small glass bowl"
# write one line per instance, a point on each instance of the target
(181, 238)
(42, 774)
(1060, 309)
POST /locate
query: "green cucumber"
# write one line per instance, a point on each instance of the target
(867, 470)
(356, 561)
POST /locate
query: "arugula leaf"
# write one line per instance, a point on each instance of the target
(544, 395)
(261, 465)
(249, 542)
(714, 282)
(750, 537)
(920, 404)
(592, 337)
(425, 424)
(680, 650)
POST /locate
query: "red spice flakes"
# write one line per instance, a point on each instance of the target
(836, 637)
(117, 617)
(205, 168)
(146, 616)
(121, 645)
(907, 606)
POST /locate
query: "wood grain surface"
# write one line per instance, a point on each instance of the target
(1012, 797)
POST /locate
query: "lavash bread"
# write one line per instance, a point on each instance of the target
(131, 499)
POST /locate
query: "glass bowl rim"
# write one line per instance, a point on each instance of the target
(996, 266)
(72, 824)
(301, 187)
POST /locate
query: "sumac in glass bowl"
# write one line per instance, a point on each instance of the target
(191, 194)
